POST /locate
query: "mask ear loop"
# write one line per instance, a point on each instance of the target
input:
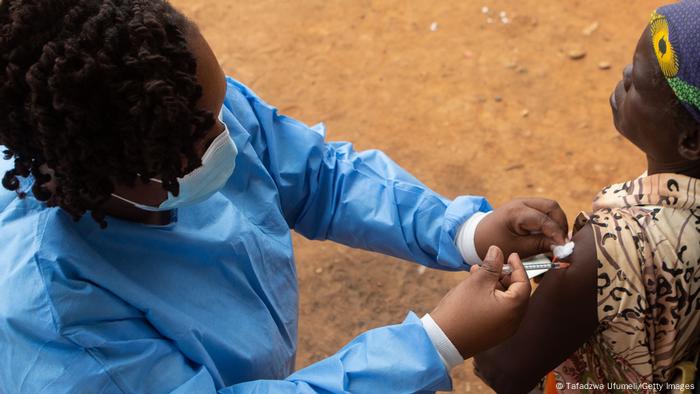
(151, 179)
(132, 202)
(122, 198)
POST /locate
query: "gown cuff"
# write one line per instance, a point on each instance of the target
(465, 238)
(446, 349)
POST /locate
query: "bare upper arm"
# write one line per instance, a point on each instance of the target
(561, 316)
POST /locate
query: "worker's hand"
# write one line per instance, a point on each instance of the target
(487, 307)
(526, 226)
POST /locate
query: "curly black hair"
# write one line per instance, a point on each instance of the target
(99, 91)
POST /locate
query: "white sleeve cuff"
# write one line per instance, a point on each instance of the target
(465, 238)
(448, 352)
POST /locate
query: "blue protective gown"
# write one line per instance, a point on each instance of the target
(210, 304)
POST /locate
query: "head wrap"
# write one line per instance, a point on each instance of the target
(675, 34)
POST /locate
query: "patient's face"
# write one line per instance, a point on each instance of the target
(644, 105)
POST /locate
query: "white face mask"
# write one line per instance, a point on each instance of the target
(217, 166)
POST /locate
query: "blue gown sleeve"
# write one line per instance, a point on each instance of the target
(360, 199)
(129, 357)
(392, 359)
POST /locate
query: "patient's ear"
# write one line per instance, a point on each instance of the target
(689, 142)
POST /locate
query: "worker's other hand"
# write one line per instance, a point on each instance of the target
(527, 226)
(487, 307)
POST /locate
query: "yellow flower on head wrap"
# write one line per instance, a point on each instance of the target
(668, 60)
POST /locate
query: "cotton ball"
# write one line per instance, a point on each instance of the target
(563, 251)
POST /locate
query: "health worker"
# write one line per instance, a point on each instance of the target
(146, 214)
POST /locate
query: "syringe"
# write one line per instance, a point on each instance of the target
(508, 269)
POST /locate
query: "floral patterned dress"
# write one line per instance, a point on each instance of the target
(647, 236)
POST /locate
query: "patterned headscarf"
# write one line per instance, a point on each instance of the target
(675, 34)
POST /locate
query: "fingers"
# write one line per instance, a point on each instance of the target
(536, 222)
(531, 245)
(519, 283)
(519, 274)
(549, 207)
(491, 268)
(507, 280)
(553, 211)
(559, 218)
(503, 281)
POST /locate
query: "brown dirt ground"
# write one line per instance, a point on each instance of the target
(378, 76)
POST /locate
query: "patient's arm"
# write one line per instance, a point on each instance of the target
(560, 318)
